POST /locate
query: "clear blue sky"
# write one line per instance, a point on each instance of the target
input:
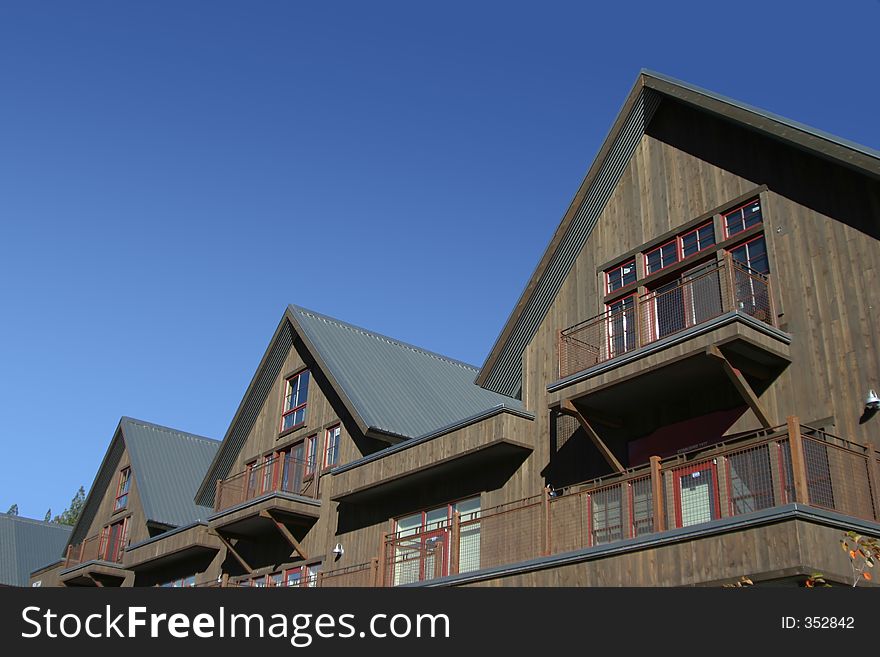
(172, 174)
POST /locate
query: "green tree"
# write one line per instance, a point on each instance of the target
(48, 516)
(13, 510)
(71, 514)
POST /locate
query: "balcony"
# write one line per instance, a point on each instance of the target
(495, 440)
(671, 314)
(277, 498)
(96, 561)
(694, 496)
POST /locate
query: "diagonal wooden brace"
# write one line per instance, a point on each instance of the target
(742, 386)
(568, 408)
(285, 532)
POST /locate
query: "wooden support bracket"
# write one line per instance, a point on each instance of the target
(288, 536)
(568, 408)
(742, 386)
(240, 559)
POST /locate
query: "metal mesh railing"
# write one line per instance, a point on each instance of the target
(838, 477)
(99, 547)
(360, 575)
(284, 474)
(693, 299)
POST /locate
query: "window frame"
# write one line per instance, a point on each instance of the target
(675, 241)
(287, 397)
(724, 215)
(122, 494)
(696, 230)
(104, 545)
(611, 270)
(744, 244)
(332, 432)
(311, 455)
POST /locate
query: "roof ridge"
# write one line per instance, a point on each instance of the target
(385, 338)
(42, 523)
(152, 425)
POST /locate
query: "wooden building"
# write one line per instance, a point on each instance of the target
(680, 396)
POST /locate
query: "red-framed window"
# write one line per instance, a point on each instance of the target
(661, 257)
(331, 446)
(745, 216)
(113, 539)
(696, 494)
(296, 396)
(293, 467)
(698, 239)
(311, 444)
(421, 542)
(620, 276)
(122, 488)
(753, 254)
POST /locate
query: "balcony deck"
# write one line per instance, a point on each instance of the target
(727, 305)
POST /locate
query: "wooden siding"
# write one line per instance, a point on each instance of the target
(105, 515)
(792, 548)
(821, 226)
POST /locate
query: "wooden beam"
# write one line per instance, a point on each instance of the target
(285, 532)
(798, 464)
(569, 408)
(742, 386)
(240, 559)
(657, 494)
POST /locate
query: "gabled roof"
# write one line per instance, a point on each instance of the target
(168, 465)
(26, 545)
(502, 369)
(393, 387)
(390, 388)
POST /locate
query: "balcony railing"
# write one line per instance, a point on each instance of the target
(281, 474)
(694, 299)
(100, 547)
(791, 463)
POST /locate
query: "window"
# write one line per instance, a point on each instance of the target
(122, 489)
(661, 257)
(312, 575)
(621, 326)
(293, 468)
(606, 516)
(697, 240)
(113, 539)
(296, 396)
(421, 542)
(311, 453)
(621, 275)
(293, 577)
(331, 446)
(753, 254)
(743, 217)
(696, 494)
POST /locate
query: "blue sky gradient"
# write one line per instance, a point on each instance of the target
(172, 174)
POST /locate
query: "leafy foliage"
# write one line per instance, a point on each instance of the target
(13, 510)
(71, 514)
(864, 552)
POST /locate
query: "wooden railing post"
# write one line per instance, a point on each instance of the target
(657, 493)
(82, 549)
(224, 580)
(548, 532)
(67, 562)
(374, 567)
(455, 543)
(798, 465)
(218, 487)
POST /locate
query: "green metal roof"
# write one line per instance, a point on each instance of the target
(26, 545)
(168, 466)
(395, 388)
